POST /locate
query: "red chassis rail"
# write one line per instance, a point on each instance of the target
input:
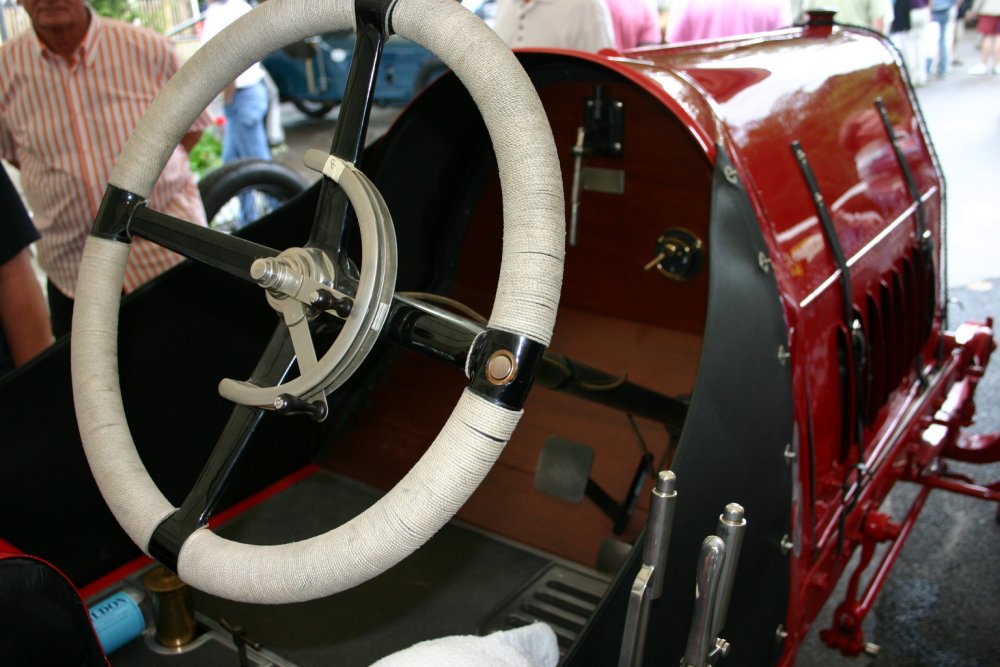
(917, 456)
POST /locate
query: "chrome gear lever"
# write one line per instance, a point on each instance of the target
(714, 586)
(648, 584)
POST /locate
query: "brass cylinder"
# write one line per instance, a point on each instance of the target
(175, 608)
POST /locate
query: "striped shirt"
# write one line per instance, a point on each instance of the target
(64, 124)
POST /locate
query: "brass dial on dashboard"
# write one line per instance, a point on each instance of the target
(678, 254)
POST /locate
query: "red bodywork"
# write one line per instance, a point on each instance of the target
(754, 98)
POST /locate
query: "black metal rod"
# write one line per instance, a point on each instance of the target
(634, 489)
(230, 254)
(207, 491)
(907, 171)
(412, 326)
(417, 327)
(829, 231)
(331, 215)
(568, 376)
(610, 507)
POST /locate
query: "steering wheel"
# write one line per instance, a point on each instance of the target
(309, 282)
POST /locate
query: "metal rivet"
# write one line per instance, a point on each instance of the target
(783, 355)
(764, 262)
(781, 633)
(789, 454)
(501, 368)
(786, 544)
(730, 173)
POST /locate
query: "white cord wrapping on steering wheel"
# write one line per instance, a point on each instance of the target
(475, 434)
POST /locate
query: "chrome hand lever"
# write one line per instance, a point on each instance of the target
(703, 647)
(661, 521)
(648, 584)
(732, 525)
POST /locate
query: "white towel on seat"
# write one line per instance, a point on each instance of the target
(531, 646)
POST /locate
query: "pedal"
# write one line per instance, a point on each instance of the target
(564, 469)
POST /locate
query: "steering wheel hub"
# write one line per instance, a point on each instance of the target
(300, 283)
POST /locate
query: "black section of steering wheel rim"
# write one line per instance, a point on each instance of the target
(115, 214)
(520, 352)
(374, 13)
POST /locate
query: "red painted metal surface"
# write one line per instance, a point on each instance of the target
(821, 87)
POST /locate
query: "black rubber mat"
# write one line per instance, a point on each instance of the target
(448, 587)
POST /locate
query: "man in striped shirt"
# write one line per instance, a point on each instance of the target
(71, 92)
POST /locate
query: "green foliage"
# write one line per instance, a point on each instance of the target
(116, 9)
(206, 154)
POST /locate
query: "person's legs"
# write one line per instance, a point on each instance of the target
(904, 42)
(919, 18)
(245, 133)
(986, 26)
(246, 137)
(987, 53)
(959, 34)
(994, 40)
(932, 34)
(230, 135)
(948, 41)
(943, 50)
(272, 119)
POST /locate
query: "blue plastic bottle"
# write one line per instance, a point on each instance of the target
(118, 619)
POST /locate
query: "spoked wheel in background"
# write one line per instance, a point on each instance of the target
(242, 191)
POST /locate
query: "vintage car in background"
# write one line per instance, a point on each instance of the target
(718, 264)
(312, 74)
